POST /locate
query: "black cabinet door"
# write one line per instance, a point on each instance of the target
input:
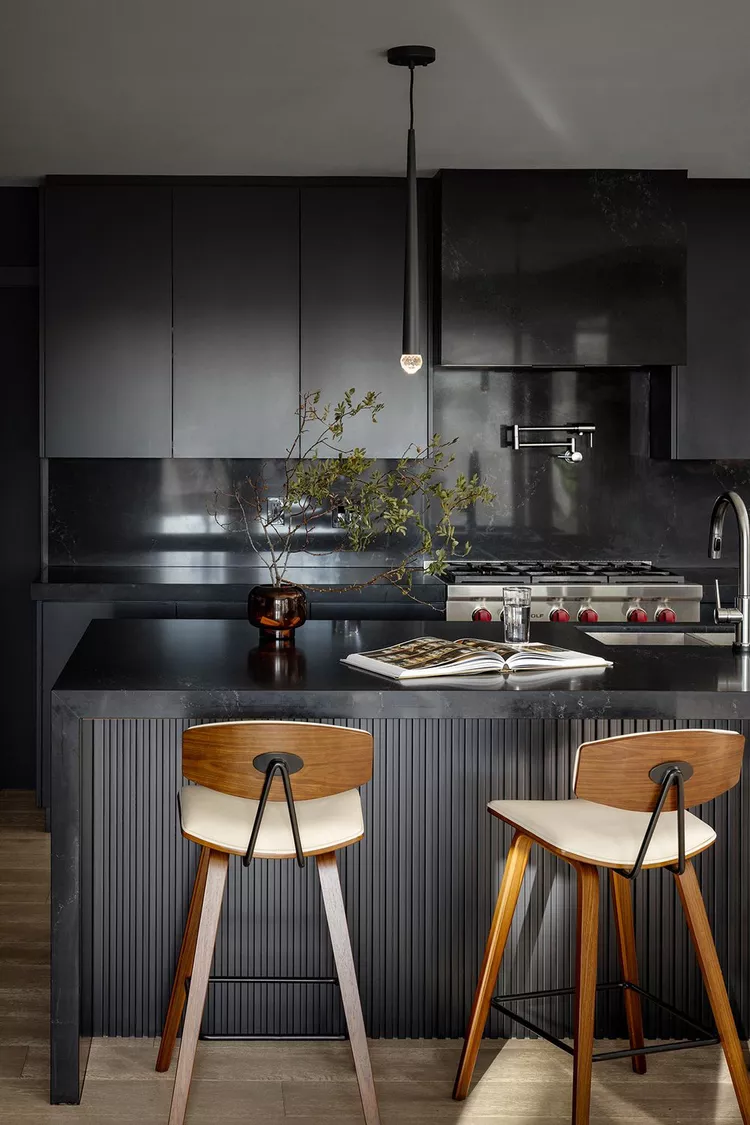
(224, 611)
(108, 321)
(236, 320)
(574, 268)
(352, 306)
(711, 395)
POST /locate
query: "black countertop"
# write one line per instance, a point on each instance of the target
(211, 668)
(217, 583)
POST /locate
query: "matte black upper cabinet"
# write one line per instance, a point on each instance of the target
(236, 320)
(352, 307)
(711, 395)
(108, 321)
(570, 268)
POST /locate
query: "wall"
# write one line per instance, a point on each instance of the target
(618, 503)
(19, 481)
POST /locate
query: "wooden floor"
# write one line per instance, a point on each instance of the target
(519, 1082)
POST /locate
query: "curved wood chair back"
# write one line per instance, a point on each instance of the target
(233, 757)
(615, 771)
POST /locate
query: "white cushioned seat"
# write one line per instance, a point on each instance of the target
(225, 822)
(601, 834)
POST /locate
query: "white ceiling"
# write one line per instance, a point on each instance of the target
(293, 87)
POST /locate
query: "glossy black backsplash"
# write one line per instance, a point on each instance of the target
(619, 502)
(153, 512)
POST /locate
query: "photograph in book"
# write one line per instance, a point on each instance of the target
(428, 657)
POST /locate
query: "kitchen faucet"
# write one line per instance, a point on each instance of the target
(739, 615)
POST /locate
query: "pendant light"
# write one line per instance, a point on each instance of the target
(411, 359)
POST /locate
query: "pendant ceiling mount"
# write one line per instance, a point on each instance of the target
(411, 56)
(411, 355)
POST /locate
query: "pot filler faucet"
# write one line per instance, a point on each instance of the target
(739, 616)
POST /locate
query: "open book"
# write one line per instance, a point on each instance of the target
(426, 657)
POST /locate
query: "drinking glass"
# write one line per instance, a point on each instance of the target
(517, 613)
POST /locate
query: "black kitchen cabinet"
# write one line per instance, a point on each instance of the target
(236, 320)
(568, 268)
(352, 239)
(224, 611)
(107, 321)
(711, 394)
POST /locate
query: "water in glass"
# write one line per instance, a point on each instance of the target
(517, 613)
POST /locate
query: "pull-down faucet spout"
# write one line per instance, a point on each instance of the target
(739, 616)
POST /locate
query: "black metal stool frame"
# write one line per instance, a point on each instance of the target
(668, 775)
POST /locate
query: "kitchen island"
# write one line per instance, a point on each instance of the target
(421, 885)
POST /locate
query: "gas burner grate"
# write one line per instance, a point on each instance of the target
(538, 571)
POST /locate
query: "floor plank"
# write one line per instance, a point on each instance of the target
(17, 799)
(24, 976)
(12, 1061)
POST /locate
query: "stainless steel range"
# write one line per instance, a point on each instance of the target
(585, 590)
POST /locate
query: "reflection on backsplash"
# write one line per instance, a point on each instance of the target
(162, 513)
(618, 502)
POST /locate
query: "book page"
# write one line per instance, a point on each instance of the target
(429, 652)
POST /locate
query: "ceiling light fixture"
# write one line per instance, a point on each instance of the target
(411, 357)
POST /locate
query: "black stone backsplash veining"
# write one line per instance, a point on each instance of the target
(619, 502)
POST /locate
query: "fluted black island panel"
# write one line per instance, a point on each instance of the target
(420, 886)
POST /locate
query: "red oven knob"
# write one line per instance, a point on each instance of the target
(666, 616)
(559, 614)
(588, 615)
(481, 614)
(637, 614)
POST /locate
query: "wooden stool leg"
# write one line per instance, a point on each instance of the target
(587, 932)
(216, 878)
(700, 931)
(622, 907)
(333, 902)
(515, 868)
(184, 966)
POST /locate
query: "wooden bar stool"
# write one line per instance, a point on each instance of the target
(275, 790)
(628, 814)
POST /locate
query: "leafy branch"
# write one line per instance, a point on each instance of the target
(320, 478)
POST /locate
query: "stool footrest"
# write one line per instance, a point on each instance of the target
(264, 1038)
(272, 980)
(274, 1038)
(707, 1038)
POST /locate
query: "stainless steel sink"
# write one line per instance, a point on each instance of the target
(711, 637)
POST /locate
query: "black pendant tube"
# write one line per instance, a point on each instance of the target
(411, 345)
(411, 356)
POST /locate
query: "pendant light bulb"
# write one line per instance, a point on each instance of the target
(411, 360)
(411, 363)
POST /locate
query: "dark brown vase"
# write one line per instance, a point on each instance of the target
(277, 611)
